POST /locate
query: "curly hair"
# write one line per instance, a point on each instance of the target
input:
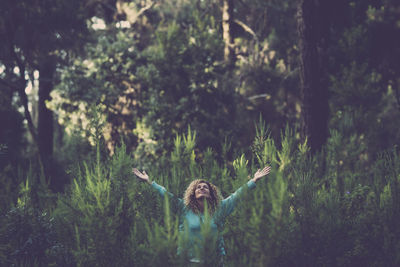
(190, 200)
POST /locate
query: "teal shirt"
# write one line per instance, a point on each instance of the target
(190, 222)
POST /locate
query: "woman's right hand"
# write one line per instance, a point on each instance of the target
(142, 176)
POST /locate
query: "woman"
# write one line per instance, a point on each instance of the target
(201, 196)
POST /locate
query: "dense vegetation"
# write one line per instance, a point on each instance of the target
(187, 89)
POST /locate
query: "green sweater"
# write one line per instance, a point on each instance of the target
(190, 222)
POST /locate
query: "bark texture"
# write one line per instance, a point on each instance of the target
(227, 27)
(314, 91)
(45, 121)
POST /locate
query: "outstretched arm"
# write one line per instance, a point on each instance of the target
(145, 178)
(229, 203)
(142, 176)
(160, 189)
(261, 173)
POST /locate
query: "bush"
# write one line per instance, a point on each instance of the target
(307, 212)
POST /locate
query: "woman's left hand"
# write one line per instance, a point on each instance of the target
(261, 173)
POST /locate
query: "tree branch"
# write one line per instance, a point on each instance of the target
(258, 96)
(247, 29)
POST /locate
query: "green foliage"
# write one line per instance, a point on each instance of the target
(295, 216)
(27, 233)
(163, 240)
(148, 83)
(98, 215)
(27, 237)
(158, 89)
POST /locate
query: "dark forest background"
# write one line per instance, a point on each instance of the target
(187, 89)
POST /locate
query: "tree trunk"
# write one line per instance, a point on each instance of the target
(45, 116)
(314, 91)
(227, 27)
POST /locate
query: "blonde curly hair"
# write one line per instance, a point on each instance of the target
(190, 200)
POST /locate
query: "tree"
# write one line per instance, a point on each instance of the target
(38, 37)
(315, 109)
(227, 28)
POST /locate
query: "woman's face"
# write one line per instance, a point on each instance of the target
(202, 191)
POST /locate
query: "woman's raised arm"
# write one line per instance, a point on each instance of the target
(229, 203)
(160, 189)
(142, 176)
(261, 173)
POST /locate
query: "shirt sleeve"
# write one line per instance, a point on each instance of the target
(162, 192)
(229, 203)
(160, 189)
